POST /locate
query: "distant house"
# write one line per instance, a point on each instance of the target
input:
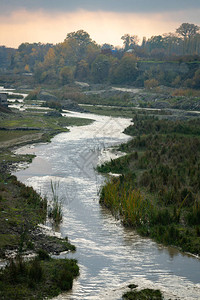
(3, 99)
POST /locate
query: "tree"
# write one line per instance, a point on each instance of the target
(82, 70)
(187, 30)
(27, 68)
(50, 58)
(107, 46)
(126, 71)
(196, 79)
(92, 51)
(81, 36)
(66, 75)
(129, 41)
(100, 68)
(76, 46)
(156, 42)
(173, 43)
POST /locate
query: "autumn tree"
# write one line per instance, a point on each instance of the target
(82, 70)
(81, 39)
(66, 74)
(29, 55)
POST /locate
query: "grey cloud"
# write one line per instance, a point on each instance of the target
(142, 6)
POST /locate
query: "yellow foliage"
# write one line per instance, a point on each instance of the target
(151, 83)
(27, 68)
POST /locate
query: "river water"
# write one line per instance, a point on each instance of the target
(110, 256)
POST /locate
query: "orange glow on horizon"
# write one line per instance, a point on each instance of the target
(103, 27)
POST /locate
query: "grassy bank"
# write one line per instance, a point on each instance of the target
(37, 120)
(109, 111)
(21, 128)
(21, 210)
(124, 112)
(158, 191)
(40, 278)
(21, 207)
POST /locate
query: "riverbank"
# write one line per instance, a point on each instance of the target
(158, 189)
(23, 209)
(124, 256)
(21, 206)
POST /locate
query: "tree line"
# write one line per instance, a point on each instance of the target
(78, 57)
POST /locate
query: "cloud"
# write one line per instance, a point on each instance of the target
(141, 6)
(103, 27)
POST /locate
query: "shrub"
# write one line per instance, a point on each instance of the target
(43, 255)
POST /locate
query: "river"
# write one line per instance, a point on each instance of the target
(110, 256)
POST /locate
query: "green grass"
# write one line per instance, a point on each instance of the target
(6, 135)
(27, 128)
(8, 158)
(41, 121)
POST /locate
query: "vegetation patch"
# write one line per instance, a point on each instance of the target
(40, 121)
(40, 278)
(158, 190)
(144, 294)
(23, 128)
(21, 210)
(15, 96)
(7, 135)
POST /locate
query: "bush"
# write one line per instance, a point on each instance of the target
(43, 255)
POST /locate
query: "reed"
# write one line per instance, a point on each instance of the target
(126, 203)
(55, 206)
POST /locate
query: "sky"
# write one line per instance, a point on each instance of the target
(49, 21)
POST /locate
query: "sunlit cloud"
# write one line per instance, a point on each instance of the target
(103, 27)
